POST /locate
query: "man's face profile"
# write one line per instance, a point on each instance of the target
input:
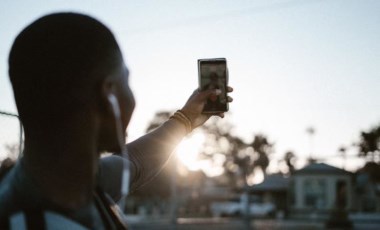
(57, 65)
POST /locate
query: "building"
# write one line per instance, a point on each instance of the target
(318, 188)
(274, 189)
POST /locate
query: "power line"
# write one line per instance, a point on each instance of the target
(231, 14)
(8, 114)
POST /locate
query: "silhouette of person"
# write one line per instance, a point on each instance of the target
(215, 102)
(71, 89)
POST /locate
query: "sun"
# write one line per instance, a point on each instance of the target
(188, 154)
(188, 151)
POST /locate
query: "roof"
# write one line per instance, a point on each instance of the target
(275, 182)
(321, 168)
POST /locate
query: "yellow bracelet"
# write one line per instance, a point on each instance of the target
(182, 118)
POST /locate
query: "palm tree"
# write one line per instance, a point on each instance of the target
(289, 159)
(242, 161)
(262, 147)
(220, 140)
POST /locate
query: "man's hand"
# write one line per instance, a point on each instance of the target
(194, 106)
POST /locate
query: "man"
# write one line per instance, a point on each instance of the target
(72, 94)
(215, 102)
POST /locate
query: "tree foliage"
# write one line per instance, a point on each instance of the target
(158, 119)
(239, 157)
(289, 159)
(263, 148)
(369, 144)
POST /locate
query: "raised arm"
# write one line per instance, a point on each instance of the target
(149, 153)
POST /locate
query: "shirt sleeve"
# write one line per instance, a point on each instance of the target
(149, 153)
(145, 157)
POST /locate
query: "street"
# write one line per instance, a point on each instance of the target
(231, 224)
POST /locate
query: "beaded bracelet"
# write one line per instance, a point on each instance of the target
(181, 117)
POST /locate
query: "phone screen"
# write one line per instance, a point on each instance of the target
(213, 74)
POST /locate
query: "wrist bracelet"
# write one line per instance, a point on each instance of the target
(182, 118)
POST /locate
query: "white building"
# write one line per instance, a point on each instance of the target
(318, 188)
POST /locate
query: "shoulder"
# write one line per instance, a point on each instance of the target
(112, 165)
(9, 205)
(111, 160)
(18, 192)
(39, 220)
(9, 200)
(114, 176)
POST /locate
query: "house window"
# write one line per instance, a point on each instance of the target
(315, 193)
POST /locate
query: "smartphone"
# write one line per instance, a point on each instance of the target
(213, 74)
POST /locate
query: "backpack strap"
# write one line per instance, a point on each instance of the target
(4, 224)
(35, 220)
(30, 220)
(109, 211)
(39, 220)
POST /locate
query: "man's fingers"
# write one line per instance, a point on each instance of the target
(203, 95)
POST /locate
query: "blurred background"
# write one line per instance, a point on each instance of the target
(302, 136)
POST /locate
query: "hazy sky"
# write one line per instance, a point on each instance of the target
(293, 64)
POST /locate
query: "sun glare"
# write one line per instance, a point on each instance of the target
(256, 178)
(188, 151)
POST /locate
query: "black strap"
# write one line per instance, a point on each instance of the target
(4, 224)
(35, 220)
(108, 211)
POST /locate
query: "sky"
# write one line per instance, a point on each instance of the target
(293, 64)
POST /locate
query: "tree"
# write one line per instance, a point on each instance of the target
(369, 144)
(289, 159)
(263, 148)
(240, 158)
(221, 142)
(12, 150)
(158, 119)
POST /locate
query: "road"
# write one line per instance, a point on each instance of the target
(233, 224)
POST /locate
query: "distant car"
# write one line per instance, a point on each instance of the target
(236, 207)
(228, 208)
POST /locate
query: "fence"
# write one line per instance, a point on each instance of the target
(11, 136)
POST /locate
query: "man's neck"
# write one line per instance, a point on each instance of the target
(63, 165)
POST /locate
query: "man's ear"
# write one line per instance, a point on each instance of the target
(107, 87)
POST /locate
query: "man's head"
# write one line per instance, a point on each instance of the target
(65, 66)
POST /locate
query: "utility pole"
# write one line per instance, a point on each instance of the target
(311, 132)
(342, 150)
